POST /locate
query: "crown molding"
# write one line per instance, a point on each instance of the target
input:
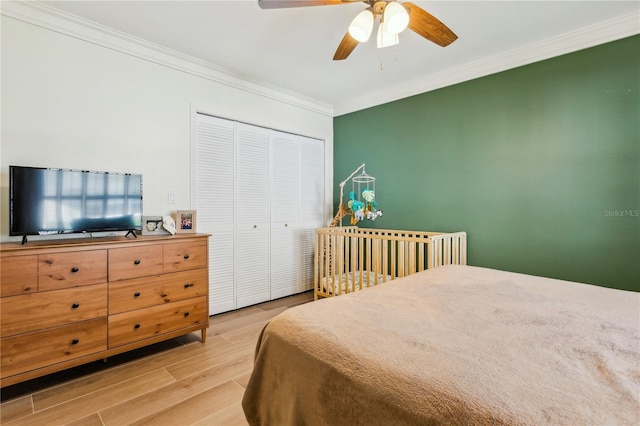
(55, 20)
(594, 35)
(52, 19)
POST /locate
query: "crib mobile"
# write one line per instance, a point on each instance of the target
(362, 202)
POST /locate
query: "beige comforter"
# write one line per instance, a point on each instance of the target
(453, 345)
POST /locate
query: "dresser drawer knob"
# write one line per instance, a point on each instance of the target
(75, 305)
(187, 285)
(75, 341)
(136, 262)
(75, 269)
(137, 326)
(186, 314)
(136, 294)
(186, 256)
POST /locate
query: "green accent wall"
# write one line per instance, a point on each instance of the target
(540, 165)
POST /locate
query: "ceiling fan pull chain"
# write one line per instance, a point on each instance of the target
(381, 60)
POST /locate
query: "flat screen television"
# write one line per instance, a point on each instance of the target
(45, 201)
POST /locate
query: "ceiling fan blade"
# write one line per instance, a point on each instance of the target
(428, 26)
(345, 48)
(281, 4)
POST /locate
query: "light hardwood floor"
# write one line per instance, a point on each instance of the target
(178, 382)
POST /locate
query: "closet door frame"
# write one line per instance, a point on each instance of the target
(262, 232)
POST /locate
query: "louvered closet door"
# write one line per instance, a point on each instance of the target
(310, 205)
(252, 206)
(285, 265)
(215, 203)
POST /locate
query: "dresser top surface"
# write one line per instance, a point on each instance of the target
(95, 242)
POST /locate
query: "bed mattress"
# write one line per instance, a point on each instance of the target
(454, 345)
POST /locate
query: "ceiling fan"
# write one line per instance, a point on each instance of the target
(394, 18)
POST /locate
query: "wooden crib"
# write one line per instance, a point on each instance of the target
(349, 258)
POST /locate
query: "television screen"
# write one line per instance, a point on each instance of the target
(45, 201)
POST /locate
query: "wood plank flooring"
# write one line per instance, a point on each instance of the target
(177, 382)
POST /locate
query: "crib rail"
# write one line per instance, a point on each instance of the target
(349, 258)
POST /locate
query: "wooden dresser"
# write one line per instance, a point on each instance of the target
(68, 302)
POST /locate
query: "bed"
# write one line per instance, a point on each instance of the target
(454, 344)
(348, 259)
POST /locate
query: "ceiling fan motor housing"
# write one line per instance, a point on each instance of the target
(378, 6)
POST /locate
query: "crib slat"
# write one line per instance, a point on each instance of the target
(412, 258)
(447, 251)
(375, 267)
(348, 250)
(455, 243)
(349, 274)
(463, 250)
(385, 260)
(337, 287)
(317, 271)
(328, 260)
(401, 269)
(393, 260)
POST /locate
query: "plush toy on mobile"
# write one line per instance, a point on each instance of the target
(370, 206)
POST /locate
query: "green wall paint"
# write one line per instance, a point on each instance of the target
(540, 165)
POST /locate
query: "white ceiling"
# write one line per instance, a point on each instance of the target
(293, 48)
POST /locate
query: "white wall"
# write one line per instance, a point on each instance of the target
(71, 102)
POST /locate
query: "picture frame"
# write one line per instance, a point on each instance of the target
(186, 221)
(152, 225)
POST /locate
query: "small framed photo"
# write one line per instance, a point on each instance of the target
(186, 221)
(152, 225)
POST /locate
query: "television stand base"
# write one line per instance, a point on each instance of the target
(132, 232)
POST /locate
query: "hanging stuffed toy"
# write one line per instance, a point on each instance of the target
(354, 204)
(368, 195)
(373, 215)
(370, 206)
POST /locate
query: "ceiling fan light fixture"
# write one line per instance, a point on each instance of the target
(385, 38)
(396, 17)
(362, 25)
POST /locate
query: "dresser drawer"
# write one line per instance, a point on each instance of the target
(29, 312)
(71, 269)
(40, 349)
(186, 255)
(139, 293)
(133, 326)
(18, 275)
(125, 263)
